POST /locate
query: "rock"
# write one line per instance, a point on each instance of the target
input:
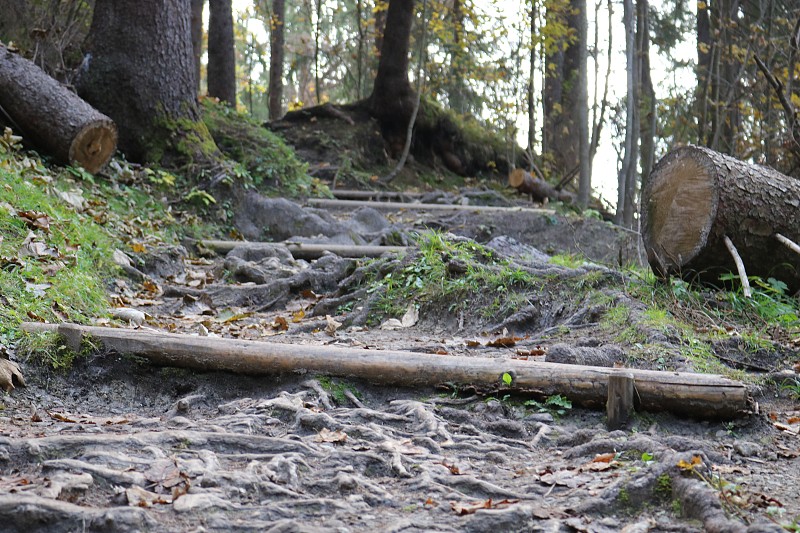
(200, 502)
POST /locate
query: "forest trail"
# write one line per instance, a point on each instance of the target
(117, 444)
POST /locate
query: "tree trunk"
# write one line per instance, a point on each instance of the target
(142, 75)
(696, 197)
(393, 99)
(647, 95)
(197, 38)
(539, 189)
(627, 177)
(276, 45)
(561, 142)
(51, 117)
(221, 54)
(582, 107)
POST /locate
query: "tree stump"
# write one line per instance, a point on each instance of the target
(695, 197)
(51, 117)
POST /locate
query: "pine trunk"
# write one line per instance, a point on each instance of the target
(276, 43)
(53, 118)
(141, 74)
(197, 37)
(696, 197)
(221, 55)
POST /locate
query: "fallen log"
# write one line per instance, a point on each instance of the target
(51, 117)
(397, 206)
(696, 197)
(303, 250)
(537, 188)
(348, 194)
(695, 395)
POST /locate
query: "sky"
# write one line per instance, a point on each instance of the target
(604, 173)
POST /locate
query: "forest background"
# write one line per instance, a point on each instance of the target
(631, 77)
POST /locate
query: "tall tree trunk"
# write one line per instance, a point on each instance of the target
(627, 176)
(381, 9)
(392, 100)
(221, 53)
(197, 37)
(560, 135)
(317, 67)
(703, 72)
(276, 44)
(534, 13)
(456, 91)
(646, 91)
(582, 105)
(143, 50)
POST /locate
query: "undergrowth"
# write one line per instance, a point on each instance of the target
(457, 273)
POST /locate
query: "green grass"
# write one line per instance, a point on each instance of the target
(454, 272)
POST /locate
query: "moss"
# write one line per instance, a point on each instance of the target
(270, 162)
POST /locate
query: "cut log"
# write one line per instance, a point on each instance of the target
(621, 395)
(303, 250)
(695, 395)
(695, 197)
(398, 206)
(52, 118)
(348, 194)
(539, 189)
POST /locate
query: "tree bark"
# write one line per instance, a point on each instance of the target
(221, 54)
(393, 99)
(53, 118)
(696, 197)
(647, 95)
(141, 74)
(582, 107)
(276, 50)
(695, 395)
(539, 189)
(197, 38)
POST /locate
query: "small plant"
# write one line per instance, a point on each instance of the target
(792, 387)
(556, 405)
(507, 378)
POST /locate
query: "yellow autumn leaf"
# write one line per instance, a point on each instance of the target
(696, 461)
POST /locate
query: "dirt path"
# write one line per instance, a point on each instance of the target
(118, 445)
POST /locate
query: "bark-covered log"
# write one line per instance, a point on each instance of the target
(696, 395)
(539, 189)
(54, 119)
(696, 197)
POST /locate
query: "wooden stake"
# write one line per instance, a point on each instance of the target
(695, 395)
(739, 266)
(619, 405)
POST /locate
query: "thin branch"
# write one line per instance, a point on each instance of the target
(790, 244)
(739, 267)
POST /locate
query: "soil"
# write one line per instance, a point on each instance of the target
(117, 444)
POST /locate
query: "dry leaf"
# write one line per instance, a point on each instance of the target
(297, 316)
(35, 219)
(604, 458)
(332, 326)
(10, 375)
(410, 317)
(326, 435)
(279, 324)
(392, 324)
(504, 342)
(139, 497)
(696, 461)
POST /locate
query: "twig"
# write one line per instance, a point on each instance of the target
(793, 246)
(739, 266)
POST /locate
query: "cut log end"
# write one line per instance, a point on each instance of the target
(94, 145)
(682, 200)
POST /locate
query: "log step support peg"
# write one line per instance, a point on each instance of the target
(619, 405)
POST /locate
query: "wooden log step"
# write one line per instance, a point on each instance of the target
(302, 250)
(695, 395)
(397, 206)
(348, 194)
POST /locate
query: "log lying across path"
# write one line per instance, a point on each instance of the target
(695, 395)
(348, 194)
(696, 197)
(302, 250)
(51, 117)
(397, 206)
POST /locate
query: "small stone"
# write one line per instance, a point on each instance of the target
(746, 448)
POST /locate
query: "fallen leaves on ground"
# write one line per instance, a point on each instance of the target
(10, 375)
